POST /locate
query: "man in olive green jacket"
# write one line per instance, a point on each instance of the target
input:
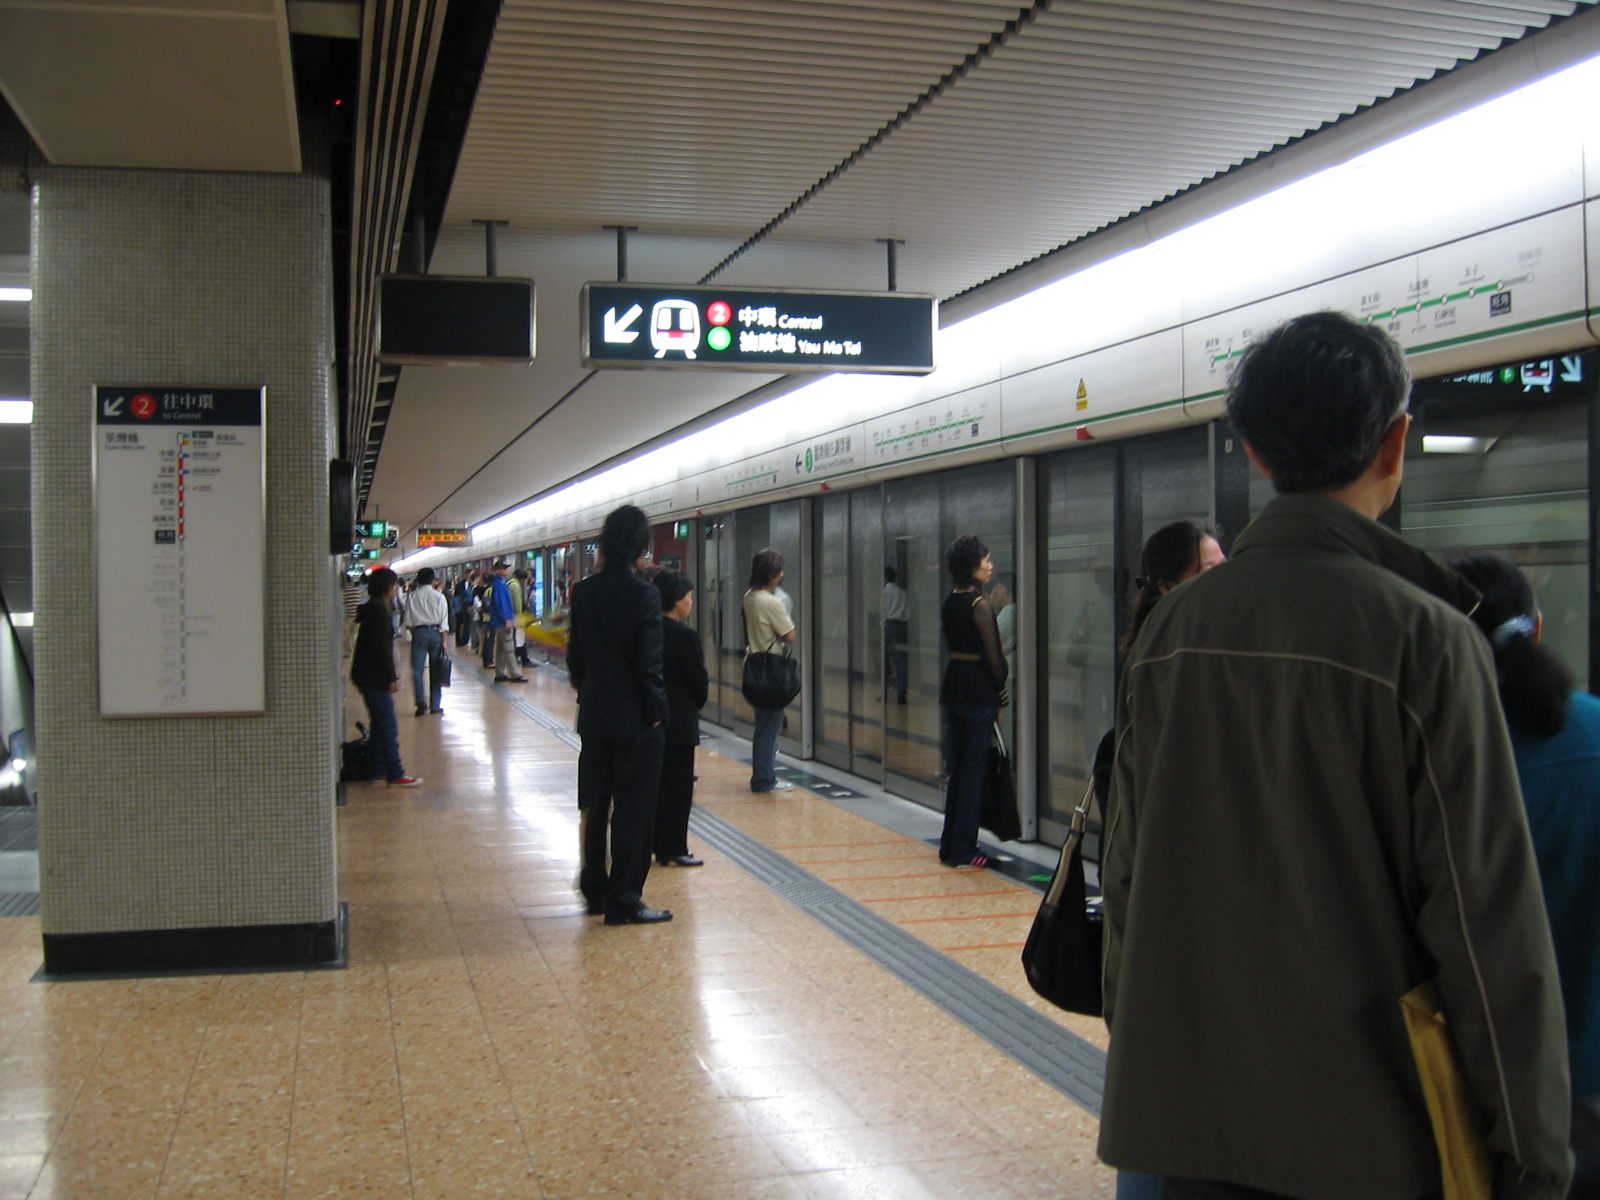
(1314, 809)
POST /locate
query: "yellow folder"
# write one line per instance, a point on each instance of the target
(1457, 1123)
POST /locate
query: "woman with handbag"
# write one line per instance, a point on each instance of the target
(767, 623)
(972, 694)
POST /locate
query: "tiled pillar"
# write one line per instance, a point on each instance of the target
(171, 842)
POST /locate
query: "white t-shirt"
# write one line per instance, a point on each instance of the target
(896, 605)
(766, 620)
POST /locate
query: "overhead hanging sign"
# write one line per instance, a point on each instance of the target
(440, 536)
(180, 550)
(778, 331)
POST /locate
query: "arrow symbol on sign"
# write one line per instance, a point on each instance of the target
(113, 408)
(618, 331)
(1572, 370)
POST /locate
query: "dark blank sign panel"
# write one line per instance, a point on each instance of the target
(741, 329)
(455, 320)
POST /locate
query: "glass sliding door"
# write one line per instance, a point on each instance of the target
(849, 623)
(921, 517)
(1077, 490)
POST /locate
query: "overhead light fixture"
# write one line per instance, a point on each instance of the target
(22, 620)
(1449, 443)
(17, 295)
(16, 412)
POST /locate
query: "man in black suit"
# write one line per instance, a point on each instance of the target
(614, 659)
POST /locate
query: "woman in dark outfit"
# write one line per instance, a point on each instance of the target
(972, 694)
(372, 671)
(683, 670)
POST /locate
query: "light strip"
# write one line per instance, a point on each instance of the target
(22, 620)
(17, 295)
(16, 412)
(1446, 443)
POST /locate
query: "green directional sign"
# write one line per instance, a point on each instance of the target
(373, 529)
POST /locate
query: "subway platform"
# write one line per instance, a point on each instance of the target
(831, 1014)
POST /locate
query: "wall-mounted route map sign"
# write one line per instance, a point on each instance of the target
(783, 332)
(180, 549)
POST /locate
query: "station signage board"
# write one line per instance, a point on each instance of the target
(180, 549)
(742, 329)
(442, 536)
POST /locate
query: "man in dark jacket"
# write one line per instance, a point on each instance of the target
(373, 672)
(1314, 810)
(614, 660)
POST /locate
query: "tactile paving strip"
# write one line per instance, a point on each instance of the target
(1065, 1061)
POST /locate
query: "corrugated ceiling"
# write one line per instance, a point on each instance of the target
(773, 141)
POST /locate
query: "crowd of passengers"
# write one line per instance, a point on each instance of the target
(1339, 770)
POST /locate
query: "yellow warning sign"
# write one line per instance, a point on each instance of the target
(1083, 395)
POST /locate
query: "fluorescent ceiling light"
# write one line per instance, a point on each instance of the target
(1443, 443)
(18, 295)
(22, 620)
(16, 412)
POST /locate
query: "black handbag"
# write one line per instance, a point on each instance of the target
(999, 812)
(440, 668)
(770, 680)
(1063, 953)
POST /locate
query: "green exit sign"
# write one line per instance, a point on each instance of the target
(683, 529)
(376, 529)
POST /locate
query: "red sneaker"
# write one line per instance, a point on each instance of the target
(405, 781)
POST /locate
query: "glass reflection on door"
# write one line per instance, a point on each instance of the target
(849, 660)
(1497, 461)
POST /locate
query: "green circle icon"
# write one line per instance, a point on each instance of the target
(718, 337)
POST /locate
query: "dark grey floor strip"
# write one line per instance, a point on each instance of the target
(19, 904)
(1066, 1062)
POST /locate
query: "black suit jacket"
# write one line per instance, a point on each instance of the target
(614, 656)
(684, 670)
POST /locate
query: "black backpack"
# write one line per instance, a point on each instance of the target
(358, 759)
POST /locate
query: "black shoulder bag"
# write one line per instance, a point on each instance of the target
(1062, 956)
(770, 680)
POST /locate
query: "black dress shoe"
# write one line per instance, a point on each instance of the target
(422, 710)
(679, 860)
(643, 915)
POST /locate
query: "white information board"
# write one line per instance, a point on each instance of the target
(180, 550)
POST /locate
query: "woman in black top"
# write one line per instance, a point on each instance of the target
(972, 694)
(372, 671)
(683, 671)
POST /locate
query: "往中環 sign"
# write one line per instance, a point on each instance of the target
(742, 329)
(180, 549)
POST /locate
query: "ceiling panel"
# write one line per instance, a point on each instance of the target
(184, 84)
(798, 133)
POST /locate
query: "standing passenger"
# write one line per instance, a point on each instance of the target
(683, 671)
(767, 622)
(614, 660)
(428, 620)
(972, 694)
(1555, 734)
(1314, 811)
(372, 671)
(503, 619)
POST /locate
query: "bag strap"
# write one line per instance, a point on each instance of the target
(1080, 821)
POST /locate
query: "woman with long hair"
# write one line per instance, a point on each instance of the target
(971, 696)
(1555, 735)
(767, 622)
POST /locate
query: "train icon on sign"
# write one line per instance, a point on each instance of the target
(675, 325)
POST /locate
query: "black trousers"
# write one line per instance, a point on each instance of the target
(618, 782)
(677, 796)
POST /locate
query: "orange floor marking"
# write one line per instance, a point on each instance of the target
(990, 946)
(844, 845)
(868, 878)
(940, 895)
(975, 917)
